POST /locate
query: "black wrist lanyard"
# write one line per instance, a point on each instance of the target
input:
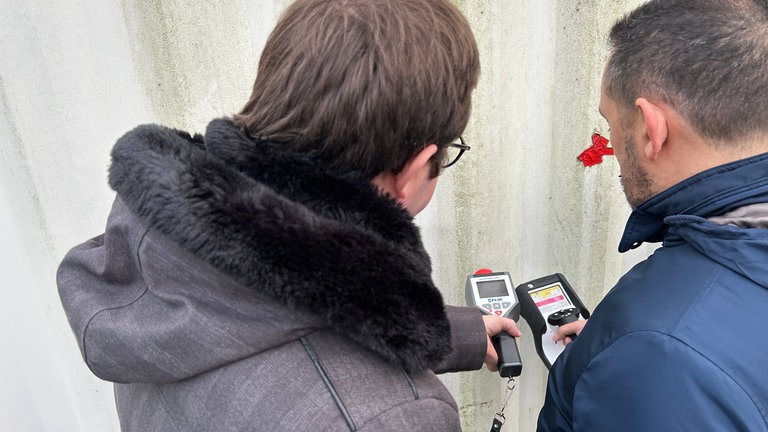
(499, 419)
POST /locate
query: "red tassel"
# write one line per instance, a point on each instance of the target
(594, 154)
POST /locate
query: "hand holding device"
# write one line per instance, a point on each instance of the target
(493, 293)
(563, 317)
(547, 303)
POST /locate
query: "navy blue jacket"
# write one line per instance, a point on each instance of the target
(679, 344)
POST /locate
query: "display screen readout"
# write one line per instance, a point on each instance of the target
(550, 298)
(494, 288)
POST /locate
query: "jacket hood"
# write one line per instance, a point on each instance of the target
(239, 230)
(733, 240)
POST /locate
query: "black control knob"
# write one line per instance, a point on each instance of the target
(564, 316)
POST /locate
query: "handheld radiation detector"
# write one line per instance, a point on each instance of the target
(493, 293)
(547, 303)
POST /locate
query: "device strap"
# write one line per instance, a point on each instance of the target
(498, 418)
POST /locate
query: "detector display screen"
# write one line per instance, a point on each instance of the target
(494, 288)
(550, 299)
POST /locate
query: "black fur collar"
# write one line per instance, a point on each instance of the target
(287, 226)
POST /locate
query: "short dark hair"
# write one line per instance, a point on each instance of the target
(365, 84)
(708, 59)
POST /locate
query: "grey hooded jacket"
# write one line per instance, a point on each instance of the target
(238, 287)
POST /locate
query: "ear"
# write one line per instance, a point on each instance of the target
(409, 180)
(655, 127)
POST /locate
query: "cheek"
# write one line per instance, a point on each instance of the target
(619, 152)
(421, 197)
(616, 144)
(430, 189)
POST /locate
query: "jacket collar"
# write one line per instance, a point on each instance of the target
(709, 193)
(320, 242)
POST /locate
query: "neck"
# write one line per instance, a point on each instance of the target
(687, 153)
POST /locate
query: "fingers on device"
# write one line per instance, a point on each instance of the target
(547, 303)
(493, 293)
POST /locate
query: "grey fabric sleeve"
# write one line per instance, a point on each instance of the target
(468, 340)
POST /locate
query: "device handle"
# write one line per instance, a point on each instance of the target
(509, 356)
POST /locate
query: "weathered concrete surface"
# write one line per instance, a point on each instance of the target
(74, 76)
(520, 200)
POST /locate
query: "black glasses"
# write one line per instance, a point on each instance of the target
(454, 151)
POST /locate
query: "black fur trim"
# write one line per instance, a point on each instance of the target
(288, 227)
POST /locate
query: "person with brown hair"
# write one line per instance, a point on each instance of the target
(268, 275)
(675, 345)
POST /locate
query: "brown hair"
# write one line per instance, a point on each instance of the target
(366, 84)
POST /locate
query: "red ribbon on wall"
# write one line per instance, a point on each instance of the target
(594, 154)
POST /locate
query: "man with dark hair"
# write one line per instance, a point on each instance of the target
(675, 345)
(268, 275)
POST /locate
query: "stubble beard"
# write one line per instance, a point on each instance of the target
(637, 184)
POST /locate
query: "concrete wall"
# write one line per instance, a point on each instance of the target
(75, 75)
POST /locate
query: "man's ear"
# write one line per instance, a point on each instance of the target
(655, 127)
(409, 179)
